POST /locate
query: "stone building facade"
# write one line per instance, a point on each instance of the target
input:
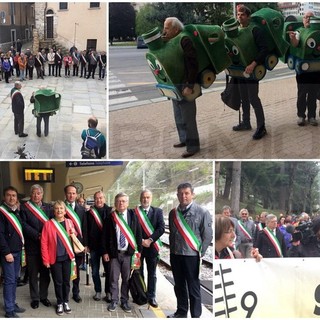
(65, 24)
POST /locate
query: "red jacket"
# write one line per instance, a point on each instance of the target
(49, 241)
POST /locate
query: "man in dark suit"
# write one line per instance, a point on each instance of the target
(96, 215)
(150, 216)
(77, 214)
(270, 241)
(34, 214)
(58, 62)
(121, 238)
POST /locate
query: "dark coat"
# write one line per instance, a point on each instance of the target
(265, 246)
(32, 228)
(155, 216)
(94, 233)
(109, 235)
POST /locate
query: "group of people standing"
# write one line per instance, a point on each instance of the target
(38, 235)
(85, 63)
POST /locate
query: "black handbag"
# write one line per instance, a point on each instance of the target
(231, 95)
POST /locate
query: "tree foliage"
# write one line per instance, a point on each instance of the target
(121, 20)
(288, 186)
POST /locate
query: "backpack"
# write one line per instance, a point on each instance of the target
(137, 288)
(231, 95)
(90, 146)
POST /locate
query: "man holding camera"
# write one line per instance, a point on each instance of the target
(306, 241)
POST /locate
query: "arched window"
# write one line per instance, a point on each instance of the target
(49, 22)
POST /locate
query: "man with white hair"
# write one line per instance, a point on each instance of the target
(18, 109)
(185, 111)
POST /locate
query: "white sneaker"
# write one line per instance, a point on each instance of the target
(66, 308)
(59, 310)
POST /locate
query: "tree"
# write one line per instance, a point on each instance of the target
(235, 189)
(121, 21)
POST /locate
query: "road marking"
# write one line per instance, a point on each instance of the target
(158, 312)
(115, 92)
(122, 100)
(141, 83)
(117, 86)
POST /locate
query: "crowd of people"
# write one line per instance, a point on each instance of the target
(38, 234)
(24, 64)
(266, 236)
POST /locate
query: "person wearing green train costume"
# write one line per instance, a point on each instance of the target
(249, 89)
(185, 111)
(307, 82)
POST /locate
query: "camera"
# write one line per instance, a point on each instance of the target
(303, 232)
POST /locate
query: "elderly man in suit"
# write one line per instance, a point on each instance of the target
(152, 223)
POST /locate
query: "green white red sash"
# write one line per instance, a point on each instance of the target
(14, 221)
(75, 218)
(274, 240)
(66, 241)
(37, 211)
(17, 226)
(125, 229)
(244, 230)
(259, 226)
(94, 212)
(185, 230)
(147, 226)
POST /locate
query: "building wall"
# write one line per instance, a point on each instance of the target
(75, 25)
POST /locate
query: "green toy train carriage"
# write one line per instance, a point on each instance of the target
(46, 101)
(241, 47)
(166, 59)
(306, 56)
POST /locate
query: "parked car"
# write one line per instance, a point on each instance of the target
(140, 43)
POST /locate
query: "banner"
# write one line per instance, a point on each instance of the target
(273, 288)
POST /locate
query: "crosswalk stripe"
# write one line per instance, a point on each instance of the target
(122, 100)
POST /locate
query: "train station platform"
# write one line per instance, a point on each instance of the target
(89, 308)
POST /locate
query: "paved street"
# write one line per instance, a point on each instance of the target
(148, 131)
(81, 98)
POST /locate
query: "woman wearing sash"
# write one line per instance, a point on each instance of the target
(57, 254)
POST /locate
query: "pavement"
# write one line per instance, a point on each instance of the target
(148, 131)
(89, 308)
(80, 98)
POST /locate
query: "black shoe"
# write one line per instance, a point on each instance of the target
(177, 315)
(11, 315)
(125, 307)
(153, 302)
(260, 133)
(112, 306)
(46, 302)
(18, 309)
(242, 126)
(34, 304)
(22, 135)
(77, 299)
(107, 298)
(179, 145)
(188, 154)
(39, 135)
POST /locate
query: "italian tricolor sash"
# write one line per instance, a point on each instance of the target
(37, 211)
(75, 218)
(17, 226)
(125, 229)
(65, 238)
(185, 230)
(244, 230)
(94, 212)
(147, 226)
(259, 226)
(274, 240)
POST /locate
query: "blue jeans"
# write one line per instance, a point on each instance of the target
(95, 257)
(11, 272)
